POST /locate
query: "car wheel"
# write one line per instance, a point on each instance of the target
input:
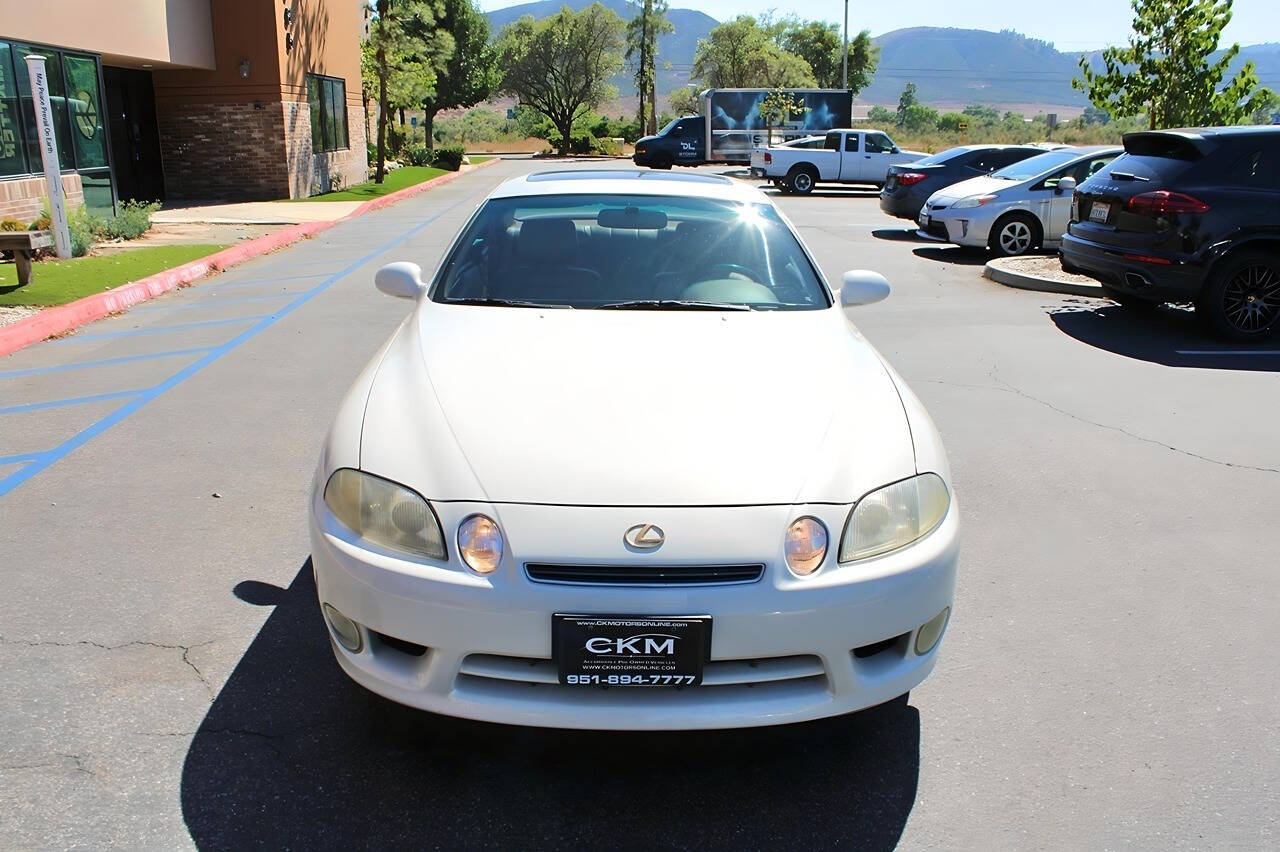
(1133, 303)
(1015, 234)
(1241, 299)
(801, 180)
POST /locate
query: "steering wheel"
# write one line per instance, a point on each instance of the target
(730, 268)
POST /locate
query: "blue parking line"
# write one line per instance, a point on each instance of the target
(73, 400)
(20, 458)
(44, 460)
(211, 302)
(102, 362)
(151, 329)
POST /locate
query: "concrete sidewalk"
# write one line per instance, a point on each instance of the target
(254, 212)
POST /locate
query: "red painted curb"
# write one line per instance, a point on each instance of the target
(59, 320)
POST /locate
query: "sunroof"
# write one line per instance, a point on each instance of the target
(624, 174)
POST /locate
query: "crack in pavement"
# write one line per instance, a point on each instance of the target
(1016, 391)
(185, 649)
(77, 759)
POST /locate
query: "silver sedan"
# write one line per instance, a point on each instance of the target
(1016, 209)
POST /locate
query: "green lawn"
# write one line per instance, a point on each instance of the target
(403, 177)
(477, 159)
(56, 282)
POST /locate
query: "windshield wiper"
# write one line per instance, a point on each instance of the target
(1130, 176)
(673, 304)
(502, 303)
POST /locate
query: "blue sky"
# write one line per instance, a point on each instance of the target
(1078, 25)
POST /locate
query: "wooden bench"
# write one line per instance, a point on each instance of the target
(22, 244)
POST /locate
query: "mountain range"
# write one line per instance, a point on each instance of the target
(950, 67)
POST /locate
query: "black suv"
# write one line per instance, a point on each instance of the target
(1187, 216)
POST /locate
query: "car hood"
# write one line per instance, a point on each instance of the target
(590, 407)
(984, 185)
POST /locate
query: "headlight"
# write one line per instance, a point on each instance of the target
(805, 545)
(973, 201)
(480, 543)
(894, 516)
(384, 513)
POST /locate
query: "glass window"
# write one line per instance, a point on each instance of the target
(589, 251)
(878, 143)
(327, 97)
(851, 142)
(88, 135)
(833, 142)
(57, 98)
(1037, 165)
(317, 115)
(13, 159)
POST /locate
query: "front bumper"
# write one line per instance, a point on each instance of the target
(970, 226)
(1180, 280)
(782, 647)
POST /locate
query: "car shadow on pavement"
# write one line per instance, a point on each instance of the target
(1169, 335)
(904, 234)
(959, 255)
(294, 754)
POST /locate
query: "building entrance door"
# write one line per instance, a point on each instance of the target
(135, 137)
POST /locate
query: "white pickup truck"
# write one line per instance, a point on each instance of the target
(849, 156)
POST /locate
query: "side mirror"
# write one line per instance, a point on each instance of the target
(1065, 184)
(402, 280)
(895, 150)
(862, 287)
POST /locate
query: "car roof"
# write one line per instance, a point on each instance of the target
(628, 182)
(1208, 132)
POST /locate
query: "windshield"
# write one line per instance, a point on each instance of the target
(1037, 165)
(591, 251)
(670, 124)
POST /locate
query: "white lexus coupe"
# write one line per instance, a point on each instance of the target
(629, 464)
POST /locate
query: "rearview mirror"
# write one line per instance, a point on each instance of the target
(401, 279)
(1066, 184)
(862, 287)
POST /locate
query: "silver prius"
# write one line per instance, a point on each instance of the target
(1018, 208)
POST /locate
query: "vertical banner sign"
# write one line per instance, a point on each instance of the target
(49, 154)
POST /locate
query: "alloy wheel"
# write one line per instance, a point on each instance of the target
(1015, 237)
(802, 182)
(1251, 299)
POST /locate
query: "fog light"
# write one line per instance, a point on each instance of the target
(931, 631)
(345, 629)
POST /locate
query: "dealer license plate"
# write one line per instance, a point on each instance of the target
(1099, 212)
(623, 650)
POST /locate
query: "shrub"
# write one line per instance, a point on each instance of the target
(133, 220)
(395, 140)
(417, 154)
(80, 226)
(448, 157)
(8, 223)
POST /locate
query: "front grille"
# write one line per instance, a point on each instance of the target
(643, 575)
(937, 229)
(937, 207)
(721, 674)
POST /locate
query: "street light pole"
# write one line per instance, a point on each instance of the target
(844, 76)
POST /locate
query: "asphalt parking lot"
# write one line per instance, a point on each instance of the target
(1107, 679)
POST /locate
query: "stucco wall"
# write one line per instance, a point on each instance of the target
(128, 31)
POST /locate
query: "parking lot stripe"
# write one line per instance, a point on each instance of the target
(44, 460)
(253, 282)
(213, 302)
(153, 329)
(20, 458)
(74, 400)
(102, 362)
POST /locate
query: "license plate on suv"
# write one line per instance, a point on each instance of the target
(1099, 212)
(623, 650)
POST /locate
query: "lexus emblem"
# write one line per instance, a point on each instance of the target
(645, 536)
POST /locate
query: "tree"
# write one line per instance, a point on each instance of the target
(741, 54)
(1165, 70)
(881, 115)
(560, 65)
(642, 49)
(684, 101)
(819, 44)
(776, 107)
(400, 60)
(906, 101)
(471, 75)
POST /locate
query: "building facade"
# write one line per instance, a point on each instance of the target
(184, 99)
